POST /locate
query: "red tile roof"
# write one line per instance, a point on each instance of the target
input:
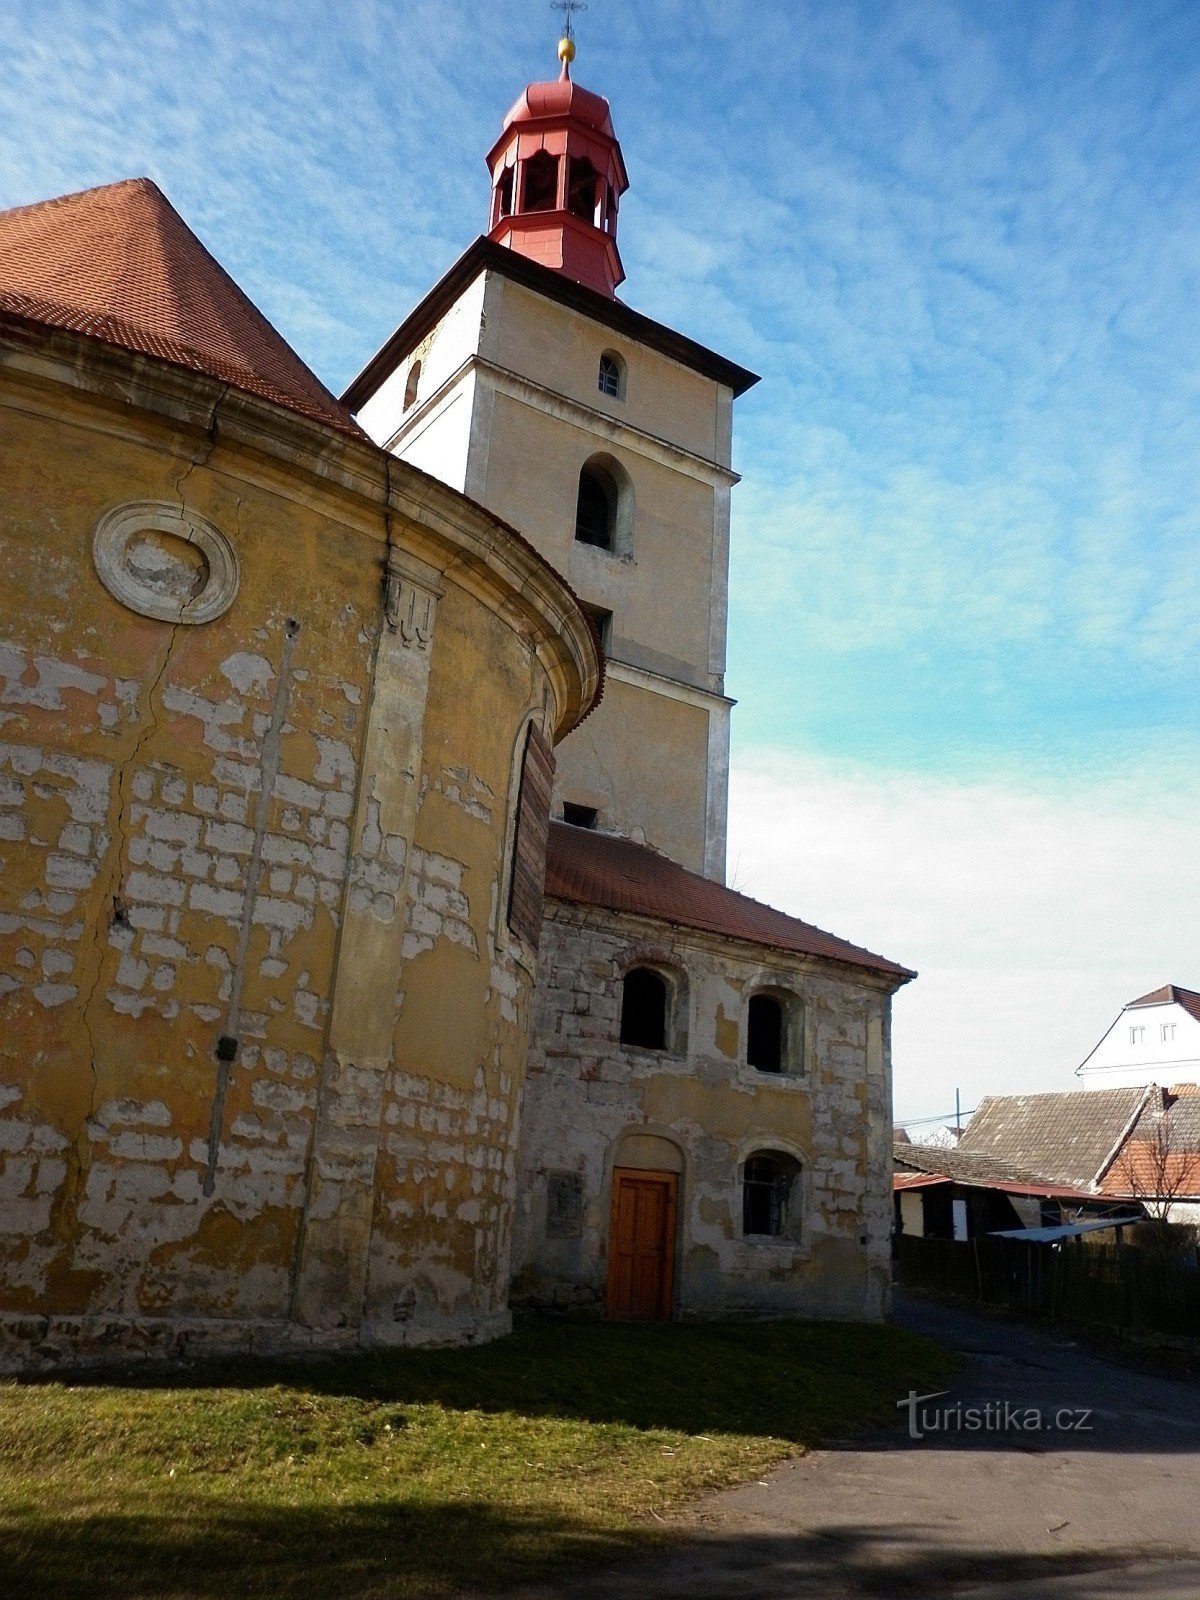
(594, 869)
(119, 264)
(1170, 994)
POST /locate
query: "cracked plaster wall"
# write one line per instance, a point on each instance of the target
(591, 1103)
(184, 832)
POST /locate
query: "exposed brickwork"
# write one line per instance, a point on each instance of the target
(698, 1108)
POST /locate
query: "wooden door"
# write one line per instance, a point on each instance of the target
(641, 1244)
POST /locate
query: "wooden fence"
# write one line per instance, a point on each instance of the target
(1120, 1287)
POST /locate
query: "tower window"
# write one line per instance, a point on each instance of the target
(604, 509)
(581, 188)
(410, 387)
(540, 192)
(603, 624)
(644, 1009)
(596, 509)
(505, 191)
(610, 379)
(580, 816)
(769, 1187)
(764, 1033)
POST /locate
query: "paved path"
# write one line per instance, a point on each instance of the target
(1104, 1514)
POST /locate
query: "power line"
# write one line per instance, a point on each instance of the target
(920, 1122)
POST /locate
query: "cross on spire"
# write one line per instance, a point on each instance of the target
(568, 8)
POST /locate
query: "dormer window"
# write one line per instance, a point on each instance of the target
(540, 192)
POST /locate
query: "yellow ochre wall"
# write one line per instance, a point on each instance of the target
(350, 1173)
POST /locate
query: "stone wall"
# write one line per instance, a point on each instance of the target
(246, 869)
(698, 1109)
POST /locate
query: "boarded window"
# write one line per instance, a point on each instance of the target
(564, 1205)
(528, 881)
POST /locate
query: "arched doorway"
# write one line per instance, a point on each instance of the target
(642, 1225)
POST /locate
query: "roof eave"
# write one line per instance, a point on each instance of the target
(486, 255)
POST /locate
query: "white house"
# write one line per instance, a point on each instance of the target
(1155, 1039)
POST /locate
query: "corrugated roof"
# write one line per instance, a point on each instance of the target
(119, 264)
(595, 869)
(1063, 1138)
(1170, 994)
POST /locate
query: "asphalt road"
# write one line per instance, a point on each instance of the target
(1102, 1506)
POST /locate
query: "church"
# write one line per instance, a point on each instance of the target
(367, 968)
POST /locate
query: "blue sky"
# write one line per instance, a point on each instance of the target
(961, 243)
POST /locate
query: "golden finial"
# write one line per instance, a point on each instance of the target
(566, 45)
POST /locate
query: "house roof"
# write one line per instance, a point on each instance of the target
(1170, 994)
(1145, 1166)
(595, 869)
(119, 264)
(1063, 1138)
(919, 1166)
(485, 255)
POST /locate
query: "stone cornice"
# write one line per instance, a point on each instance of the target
(598, 424)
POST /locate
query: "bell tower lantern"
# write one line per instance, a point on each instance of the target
(557, 180)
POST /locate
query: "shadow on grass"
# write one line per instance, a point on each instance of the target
(386, 1553)
(804, 1383)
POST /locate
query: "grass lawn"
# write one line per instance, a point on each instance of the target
(416, 1473)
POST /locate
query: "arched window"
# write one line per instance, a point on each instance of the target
(604, 508)
(596, 508)
(644, 1009)
(770, 1195)
(410, 387)
(581, 188)
(764, 1033)
(611, 377)
(506, 192)
(540, 191)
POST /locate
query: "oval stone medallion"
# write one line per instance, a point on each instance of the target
(164, 562)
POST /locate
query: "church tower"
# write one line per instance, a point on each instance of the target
(605, 438)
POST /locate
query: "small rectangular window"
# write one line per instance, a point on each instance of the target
(580, 816)
(603, 623)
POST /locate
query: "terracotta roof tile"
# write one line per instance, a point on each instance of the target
(119, 264)
(596, 869)
(1064, 1138)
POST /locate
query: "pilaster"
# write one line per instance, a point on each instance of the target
(334, 1247)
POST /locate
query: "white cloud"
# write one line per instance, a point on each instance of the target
(1032, 910)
